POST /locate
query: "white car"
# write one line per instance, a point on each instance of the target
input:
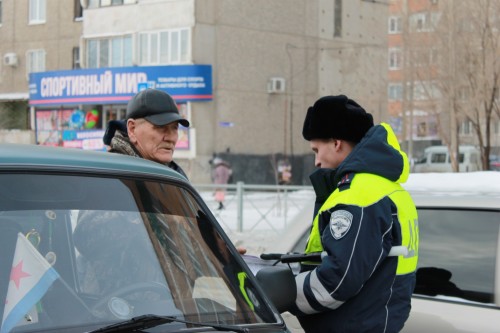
(458, 276)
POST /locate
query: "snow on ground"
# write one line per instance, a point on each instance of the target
(267, 215)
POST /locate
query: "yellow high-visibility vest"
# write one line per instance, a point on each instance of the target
(367, 189)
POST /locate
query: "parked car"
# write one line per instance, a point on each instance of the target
(437, 159)
(458, 275)
(495, 162)
(91, 240)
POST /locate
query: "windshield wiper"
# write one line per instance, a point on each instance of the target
(149, 320)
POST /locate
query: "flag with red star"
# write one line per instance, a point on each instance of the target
(30, 278)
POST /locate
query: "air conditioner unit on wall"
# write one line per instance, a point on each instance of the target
(10, 59)
(276, 85)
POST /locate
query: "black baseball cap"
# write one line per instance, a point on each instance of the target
(156, 106)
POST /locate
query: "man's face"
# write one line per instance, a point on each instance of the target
(155, 143)
(327, 153)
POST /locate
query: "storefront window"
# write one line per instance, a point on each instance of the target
(70, 128)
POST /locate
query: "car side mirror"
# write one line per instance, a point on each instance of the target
(278, 282)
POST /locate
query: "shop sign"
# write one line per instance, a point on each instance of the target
(118, 84)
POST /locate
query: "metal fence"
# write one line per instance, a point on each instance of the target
(256, 207)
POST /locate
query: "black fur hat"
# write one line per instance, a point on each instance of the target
(336, 117)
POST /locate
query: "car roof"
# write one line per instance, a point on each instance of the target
(19, 157)
(422, 199)
(463, 148)
(479, 189)
(456, 200)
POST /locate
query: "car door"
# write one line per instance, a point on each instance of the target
(456, 280)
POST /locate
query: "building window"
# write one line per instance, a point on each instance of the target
(422, 129)
(164, 47)
(419, 22)
(78, 9)
(37, 11)
(76, 58)
(424, 91)
(337, 18)
(35, 61)
(424, 21)
(395, 25)
(496, 127)
(466, 128)
(105, 3)
(395, 91)
(395, 58)
(109, 52)
(463, 93)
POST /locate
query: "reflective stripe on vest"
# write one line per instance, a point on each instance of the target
(365, 190)
(242, 277)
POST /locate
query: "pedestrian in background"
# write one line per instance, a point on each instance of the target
(221, 173)
(365, 225)
(150, 131)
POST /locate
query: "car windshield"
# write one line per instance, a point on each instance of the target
(92, 251)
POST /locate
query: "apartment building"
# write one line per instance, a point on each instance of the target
(243, 72)
(35, 36)
(437, 93)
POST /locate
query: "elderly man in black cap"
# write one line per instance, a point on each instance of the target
(365, 225)
(151, 128)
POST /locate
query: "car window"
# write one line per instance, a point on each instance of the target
(110, 249)
(438, 158)
(457, 253)
(461, 158)
(422, 160)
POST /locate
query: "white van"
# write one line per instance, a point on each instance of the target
(437, 159)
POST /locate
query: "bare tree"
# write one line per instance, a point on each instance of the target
(421, 92)
(462, 88)
(471, 80)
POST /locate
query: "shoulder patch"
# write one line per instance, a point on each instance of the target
(345, 182)
(340, 223)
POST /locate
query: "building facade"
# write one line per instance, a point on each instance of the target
(243, 72)
(442, 74)
(35, 36)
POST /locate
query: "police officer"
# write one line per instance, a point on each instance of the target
(365, 224)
